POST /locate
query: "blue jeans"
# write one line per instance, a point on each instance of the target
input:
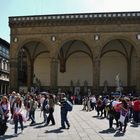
(32, 116)
(64, 118)
(45, 116)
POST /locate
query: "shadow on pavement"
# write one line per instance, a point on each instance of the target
(95, 116)
(39, 126)
(6, 137)
(58, 130)
(134, 125)
(107, 131)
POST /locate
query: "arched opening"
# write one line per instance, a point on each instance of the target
(31, 60)
(42, 70)
(118, 57)
(22, 68)
(75, 67)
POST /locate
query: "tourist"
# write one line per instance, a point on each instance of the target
(51, 110)
(33, 106)
(11, 100)
(64, 112)
(44, 108)
(136, 110)
(17, 114)
(113, 112)
(99, 104)
(123, 116)
(5, 108)
(93, 102)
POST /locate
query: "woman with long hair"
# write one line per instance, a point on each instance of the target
(51, 110)
(4, 110)
(17, 114)
(5, 107)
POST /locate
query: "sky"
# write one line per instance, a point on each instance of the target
(44, 7)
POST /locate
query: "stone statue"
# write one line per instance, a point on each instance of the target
(77, 88)
(71, 86)
(71, 83)
(34, 79)
(105, 86)
(85, 83)
(118, 83)
(78, 83)
(89, 92)
(59, 90)
(85, 86)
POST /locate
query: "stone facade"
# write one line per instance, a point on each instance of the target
(4, 66)
(60, 36)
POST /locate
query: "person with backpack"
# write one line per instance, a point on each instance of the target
(113, 112)
(45, 108)
(65, 107)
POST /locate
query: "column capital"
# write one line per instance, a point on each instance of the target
(54, 60)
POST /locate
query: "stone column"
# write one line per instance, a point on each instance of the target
(1, 88)
(5, 88)
(13, 74)
(96, 75)
(53, 73)
(30, 73)
(138, 75)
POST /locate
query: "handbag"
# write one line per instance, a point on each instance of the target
(122, 119)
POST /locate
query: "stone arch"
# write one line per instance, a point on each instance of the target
(39, 46)
(80, 49)
(41, 66)
(67, 39)
(126, 48)
(41, 53)
(26, 41)
(111, 38)
(71, 54)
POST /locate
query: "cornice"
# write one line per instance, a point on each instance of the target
(75, 19)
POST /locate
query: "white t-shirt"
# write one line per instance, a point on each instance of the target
(17, 108)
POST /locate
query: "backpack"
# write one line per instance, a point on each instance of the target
(45, 105)
(68, 106)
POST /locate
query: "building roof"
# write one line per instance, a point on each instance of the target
(5, 43)
(75, 19)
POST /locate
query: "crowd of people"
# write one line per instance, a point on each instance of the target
(17, 108)
(122, 109)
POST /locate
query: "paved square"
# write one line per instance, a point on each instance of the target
(84, 126)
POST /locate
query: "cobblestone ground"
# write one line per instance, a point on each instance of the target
(84, 126)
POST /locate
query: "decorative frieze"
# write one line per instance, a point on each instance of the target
(73, 19)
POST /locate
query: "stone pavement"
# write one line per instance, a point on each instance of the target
(84, 126)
